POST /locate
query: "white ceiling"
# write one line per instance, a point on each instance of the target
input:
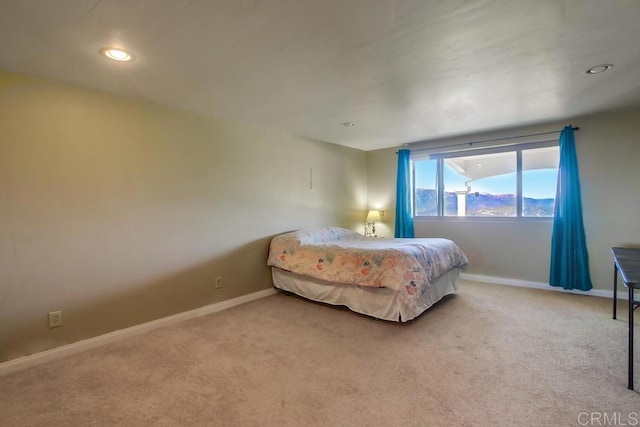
(402, 70)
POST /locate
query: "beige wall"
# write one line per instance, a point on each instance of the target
(608, 148)
(119, 212)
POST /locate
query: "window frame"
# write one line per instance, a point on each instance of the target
(440, 194)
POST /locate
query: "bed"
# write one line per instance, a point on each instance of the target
(389, 279)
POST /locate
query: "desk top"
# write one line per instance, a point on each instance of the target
(628, 262)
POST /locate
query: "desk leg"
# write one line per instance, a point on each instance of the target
(630, 385)
(615, 289)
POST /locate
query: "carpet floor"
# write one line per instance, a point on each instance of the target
(488, 356)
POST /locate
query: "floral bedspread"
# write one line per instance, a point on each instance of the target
(342, 256)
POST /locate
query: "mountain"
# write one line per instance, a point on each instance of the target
(482, 204)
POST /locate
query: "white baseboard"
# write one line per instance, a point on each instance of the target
(605, 293)
(89, 343)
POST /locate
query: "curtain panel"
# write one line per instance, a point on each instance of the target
(404, 220)
(569, 257)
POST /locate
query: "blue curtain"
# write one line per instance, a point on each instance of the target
(569, 257)
(404, 221)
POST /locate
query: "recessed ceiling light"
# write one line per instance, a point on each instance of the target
(597, 69)
(117, 54)
(348, 124)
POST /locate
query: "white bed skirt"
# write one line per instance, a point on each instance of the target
(381, 303)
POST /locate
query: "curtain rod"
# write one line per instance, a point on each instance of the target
(470, 143)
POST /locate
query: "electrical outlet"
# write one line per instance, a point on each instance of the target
(218, 282)
(55, 319)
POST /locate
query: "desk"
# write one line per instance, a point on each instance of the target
(626, 261)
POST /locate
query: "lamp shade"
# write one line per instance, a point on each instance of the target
(373, 216)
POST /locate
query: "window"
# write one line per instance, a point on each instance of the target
(511, 181)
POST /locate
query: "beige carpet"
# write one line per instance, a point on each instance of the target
(488, 356)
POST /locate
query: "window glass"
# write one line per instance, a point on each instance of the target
(487, 184)
(426, 191)
(454, 183)
(484, 185)
(539, 178)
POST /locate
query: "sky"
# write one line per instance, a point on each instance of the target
(537, 183)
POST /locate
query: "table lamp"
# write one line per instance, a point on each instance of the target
(372, 217)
